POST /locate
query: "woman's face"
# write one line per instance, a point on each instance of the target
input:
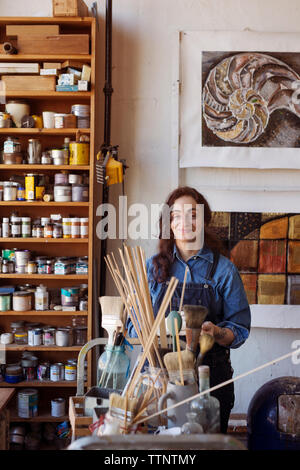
(186, 219)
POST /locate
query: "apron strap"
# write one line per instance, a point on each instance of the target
(212, 269)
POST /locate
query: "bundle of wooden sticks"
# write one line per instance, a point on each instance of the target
(134, 291)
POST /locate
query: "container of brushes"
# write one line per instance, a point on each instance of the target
(113, 367)
(154, 383)
(174, 395)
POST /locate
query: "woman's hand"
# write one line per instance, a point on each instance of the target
(222, 336)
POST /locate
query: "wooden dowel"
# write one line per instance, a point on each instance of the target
(183, 289)
(170, 291)
(179, 351)
(223, 384)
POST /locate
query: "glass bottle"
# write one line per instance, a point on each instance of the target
(113, 368)
(206, 406)
(191, 426)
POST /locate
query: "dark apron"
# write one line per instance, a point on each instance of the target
(218, 358)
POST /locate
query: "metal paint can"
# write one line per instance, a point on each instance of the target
(30, 186)
(5, 302)
(71, 370)
(58, 407)
(43, 371)
(28, 403)
(79, 153)
(55, 373)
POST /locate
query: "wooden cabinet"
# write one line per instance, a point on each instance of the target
(59, 102)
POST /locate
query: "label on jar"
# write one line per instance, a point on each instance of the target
(15, 229)
(70, 372)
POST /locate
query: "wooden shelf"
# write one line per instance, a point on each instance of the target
(44, 240)
(43, 58)
(41, 131)
(45, 204)
(41, 313)
(43, 417)
(71, 277)
(26, 347)
(41, 383)
(27, 167)
(29, 94)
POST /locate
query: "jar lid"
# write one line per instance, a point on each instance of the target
(3, 293)
(30, 362)
(17, 324)
(13, 370)
(26, 219)
(21, 294)
(51, 328)
(80, 327)
(21, 335)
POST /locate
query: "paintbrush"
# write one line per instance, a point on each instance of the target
(173, 367)
(206, 343)
(123, 408)
(194, 317)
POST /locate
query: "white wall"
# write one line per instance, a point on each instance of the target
(143, 62)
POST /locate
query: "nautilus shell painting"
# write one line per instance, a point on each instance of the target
(250, 99)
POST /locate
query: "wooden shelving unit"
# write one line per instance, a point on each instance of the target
(60, 102)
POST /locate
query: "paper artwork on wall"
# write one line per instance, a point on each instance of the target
(240, 100)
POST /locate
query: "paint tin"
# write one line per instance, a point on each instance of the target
(79, 153)
(49, 336)
(28, 403)
(55, 373)
(58, 407)
(32, 267)
(61, 178)
(71, 370)
(62, 337)
(69, 296)
(5, 302)
(22, 301)
(31, 180)
(63, 193)
(22, 257)
(10, 190)
(80, 192)
(35, 336)
(43, 371)
(75, 179)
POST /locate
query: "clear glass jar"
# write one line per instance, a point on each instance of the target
(49, 336)
(191, 426)
(17, 326)
(113, 368)
(80, 335)
(21, 336)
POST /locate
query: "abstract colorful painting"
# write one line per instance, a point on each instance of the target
(265, 248)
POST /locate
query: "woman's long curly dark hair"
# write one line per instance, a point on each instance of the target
(163, 260)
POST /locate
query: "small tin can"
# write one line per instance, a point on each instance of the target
(83, 305)
(43, 371)
(49, 336)
(71, 370)
(58, 407)
(37, 336)
(61, 370)
(55, 372)
(28, 403)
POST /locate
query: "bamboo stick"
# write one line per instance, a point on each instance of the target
(223, 384)
(170, 291)
(183, 289)
(179, 351)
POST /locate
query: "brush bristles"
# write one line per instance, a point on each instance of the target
(206, 343)
(172, 363)
(117, 406)
(194, 315)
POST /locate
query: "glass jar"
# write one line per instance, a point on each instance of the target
(80, 335)
(26, 227)
(21, 336)
(48, 230)
(15, 226)
(5, 227)
(191, 426)
(8, 267)
(84, 227)
(113, 368)
(41, 262)
(57, 231)
(49, 266)
(66, 226)
(75, 227)
(39, 231)
(41, 298)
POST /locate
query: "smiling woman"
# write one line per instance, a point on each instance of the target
(212, 281)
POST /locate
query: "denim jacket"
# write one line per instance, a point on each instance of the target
(231, 302)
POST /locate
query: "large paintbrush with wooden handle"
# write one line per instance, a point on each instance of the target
(194, 317)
